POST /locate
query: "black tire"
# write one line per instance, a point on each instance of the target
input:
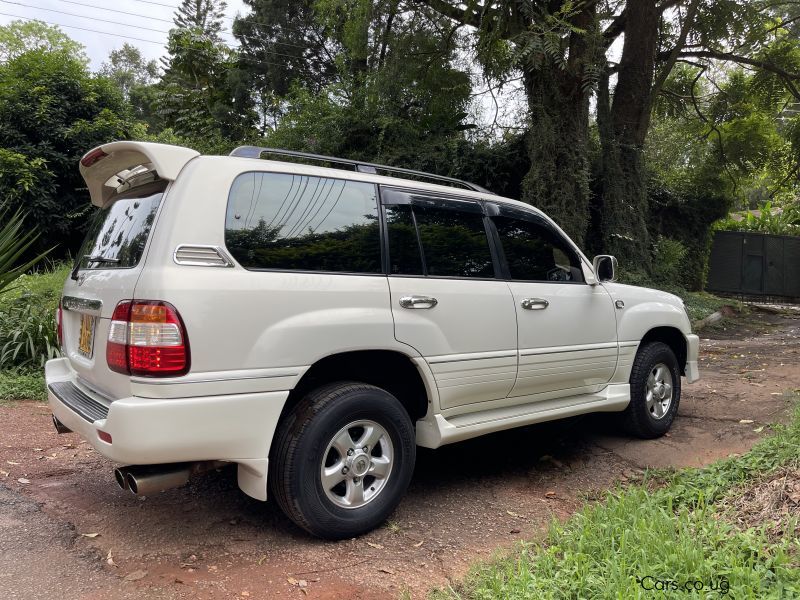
(638, 419)
(300, 449)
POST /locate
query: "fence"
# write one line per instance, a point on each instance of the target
(755, 264)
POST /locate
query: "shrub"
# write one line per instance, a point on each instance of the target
(786, 222)
(668, 260)
(27, 335)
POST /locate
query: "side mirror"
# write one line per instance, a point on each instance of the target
(605, 267)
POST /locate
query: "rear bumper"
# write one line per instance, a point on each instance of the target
(236, 428)
(692, 352)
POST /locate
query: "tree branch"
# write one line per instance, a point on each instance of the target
(713, 128)
(617, 26)
(688, 21)
(787, 77)
(465, 15)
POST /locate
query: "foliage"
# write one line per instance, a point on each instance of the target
(668, 258)
(52, 110)
(19, 37)
(27, 335)
(197, 96)
(27, 318)
(735, 137)
(22, 384)
(205, 15)
(14, 242)
(675, 532)
(785, 221)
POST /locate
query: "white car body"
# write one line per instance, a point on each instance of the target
(485, 364)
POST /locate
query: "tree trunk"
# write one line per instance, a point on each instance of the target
(558, 180)
(623, 129)
(558, 140)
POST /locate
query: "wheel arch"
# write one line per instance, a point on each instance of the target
(672, 337)
(390, 370)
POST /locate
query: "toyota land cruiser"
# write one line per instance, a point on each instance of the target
(314, 325)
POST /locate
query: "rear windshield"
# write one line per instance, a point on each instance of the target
(117, 234)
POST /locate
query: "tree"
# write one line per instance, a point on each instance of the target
(563, 51)
(19, 37)
(200, 94)
(205, 15)
(364, 79)
(135, 77)
(128, 69)
(52, 110)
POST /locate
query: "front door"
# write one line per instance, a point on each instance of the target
(567, 329)
(446, 301)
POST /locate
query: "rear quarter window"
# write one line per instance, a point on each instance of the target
(297, 222)
(117, 234)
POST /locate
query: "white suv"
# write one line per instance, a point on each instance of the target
(324, 322)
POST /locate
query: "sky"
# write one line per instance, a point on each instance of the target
(142, 19)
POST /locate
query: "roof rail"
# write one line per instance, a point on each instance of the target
(359, 166)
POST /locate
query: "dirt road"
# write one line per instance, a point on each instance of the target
(67, 531)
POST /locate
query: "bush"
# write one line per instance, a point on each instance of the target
(668, 260)
(27, 336)
(786, 222)
(27, 318)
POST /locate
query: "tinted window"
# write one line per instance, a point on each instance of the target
(454, 242)
(534, 251)
(404, 256)
(281, 221)
(117, 234)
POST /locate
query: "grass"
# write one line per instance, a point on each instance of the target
(22, 384)
(653, 539)
(43, 287)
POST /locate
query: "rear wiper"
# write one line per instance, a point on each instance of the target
(98, 258)
(90, 258)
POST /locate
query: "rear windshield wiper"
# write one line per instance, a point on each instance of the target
(98, 258)
(90, 258)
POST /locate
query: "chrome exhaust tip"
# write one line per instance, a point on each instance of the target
(145, 481)
(122, 480)
(60, 427)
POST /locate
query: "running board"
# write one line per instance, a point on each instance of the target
(434, 431)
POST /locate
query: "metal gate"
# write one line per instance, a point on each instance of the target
(755, 264)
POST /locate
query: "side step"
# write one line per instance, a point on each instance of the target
(436, 431)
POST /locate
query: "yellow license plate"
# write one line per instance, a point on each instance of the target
(86, 338)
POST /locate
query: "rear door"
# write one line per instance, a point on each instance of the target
(567, 329)
(446, 300)
(106, 271)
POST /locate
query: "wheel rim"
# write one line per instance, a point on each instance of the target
(659, 391)
(357, 464)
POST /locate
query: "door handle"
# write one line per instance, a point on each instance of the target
(418, 302)
(535, 303)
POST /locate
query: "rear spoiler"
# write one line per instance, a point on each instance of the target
(110, 166)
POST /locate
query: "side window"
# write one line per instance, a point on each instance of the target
(454, 242)
(404, 256)
(297, 222)
(534, 251)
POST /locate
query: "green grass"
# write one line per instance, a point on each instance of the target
(43, 288)
(22, 384)
(701, 304)
(674, 531)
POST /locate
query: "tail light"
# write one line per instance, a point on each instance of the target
(147, 338)
(59, 325)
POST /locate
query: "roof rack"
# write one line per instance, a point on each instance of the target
(359, 166)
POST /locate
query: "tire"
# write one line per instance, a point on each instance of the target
(652, 418)
(320, 433)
